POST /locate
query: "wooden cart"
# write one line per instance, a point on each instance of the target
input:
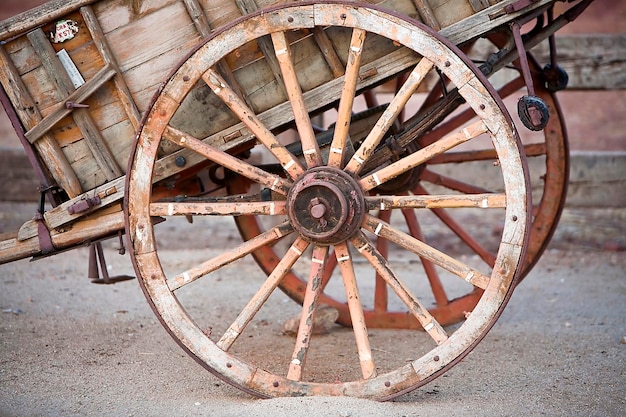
(338, 135)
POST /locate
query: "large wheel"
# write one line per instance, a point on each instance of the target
(332, 207)
(547, 149)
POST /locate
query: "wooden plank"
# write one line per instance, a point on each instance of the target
(199, 18)
(167, 30)
(328, 52)
(220, 13)
(119, 136)
(592, 61)
(47, 148)
(56, 217)
(144, 81)
(89, 229)
(78, 96)
(448, 12)
(106, 110)
(22, 55)
(88, 127)
(39, 86)
(114, 14)
(104, 48)
(478, 5)
(427, 14)
(485, 20)
(265, 44)
(204, 28)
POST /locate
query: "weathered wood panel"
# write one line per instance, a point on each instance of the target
(167, 29)
(448, 12)
(114, 14)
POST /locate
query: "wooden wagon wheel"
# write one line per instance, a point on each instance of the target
(331, 208)
(549, 180)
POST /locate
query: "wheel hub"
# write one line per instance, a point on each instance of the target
(326, 206)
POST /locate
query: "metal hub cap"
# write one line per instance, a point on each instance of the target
(326, 206)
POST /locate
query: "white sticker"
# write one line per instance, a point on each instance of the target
(70, 68)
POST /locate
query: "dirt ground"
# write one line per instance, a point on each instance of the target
(71, 348)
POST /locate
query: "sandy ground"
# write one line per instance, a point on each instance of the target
(71, 348)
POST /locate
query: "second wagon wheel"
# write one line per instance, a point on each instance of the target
(546, 149)
(325, 200)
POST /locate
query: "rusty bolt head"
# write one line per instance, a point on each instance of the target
(180, 161)
(317, 208)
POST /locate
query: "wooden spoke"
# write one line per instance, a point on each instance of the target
(439, 293)
(451, 183)
(258, 208)
(382, 246)
(257, 301)
(305, 329)
(310, 147)
(388, 202)
(219, 86)
(381, 265)
(271, 181)
(389, 116)
(413, 160)
(532, 149)
(344, 260)
(274, 234)
(344, 113)
(410, 243)
(329, 268)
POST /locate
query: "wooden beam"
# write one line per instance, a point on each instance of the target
(61, 110)
(126, 98)
(203, 27)
(265, 44)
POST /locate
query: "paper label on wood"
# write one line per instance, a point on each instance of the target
(70, 68)
(64, 30)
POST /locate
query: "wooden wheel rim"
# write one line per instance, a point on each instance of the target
(303, 15)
